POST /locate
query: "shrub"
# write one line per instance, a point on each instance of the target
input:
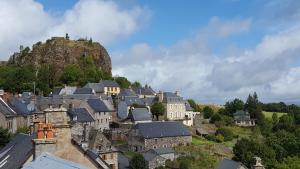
(226, 133)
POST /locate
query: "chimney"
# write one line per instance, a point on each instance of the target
(160, 96)
(258, 164)
(177, 93)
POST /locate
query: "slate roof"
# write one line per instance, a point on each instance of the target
(241, 115)
(16, 152)
(170, 97)
(97, 87)
(49, 161)
(141, 114)
(127, 93)
(109, 83)
(19, 107)
(44, 102)
(229, 164)
(99, 105)
(123, 162)
(83, 90)
(161, 151)
(188, 106)
(82, 115)
(148, 156)
(144, 91)
(6, 109)
(122, 110)
(162, 129)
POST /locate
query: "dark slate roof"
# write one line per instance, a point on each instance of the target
(188, 106)
(84, 90)
(97, 87)
(122, 110)
(127, 93)
(82, 115)
(6, 109)
(134, 100)
(161, 151)
(56, 90)
(148, 156)
(16, 152)
(144, 91)
(44, 102)
(109, 83)
(141, 114)
(19, 107)
(49, 161)
(241, 115)
(123, 162)
(170, 97)
(162, 129)
(98, 105)
(229, 164)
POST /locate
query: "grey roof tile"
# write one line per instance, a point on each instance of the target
(84, 90)
(99, 105)
(141, 114)
(49, 161)
(16, 152)
(229, 164)
(162, 129)
(81, 114)
(109, 83)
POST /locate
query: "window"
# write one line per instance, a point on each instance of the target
(155, 140)
(154, 147)
(101, 120)
(106, 120)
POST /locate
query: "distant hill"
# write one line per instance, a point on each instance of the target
(59, 52)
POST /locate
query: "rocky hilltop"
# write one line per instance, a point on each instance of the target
(59, 51)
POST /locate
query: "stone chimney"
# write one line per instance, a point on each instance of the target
(160, 95)
(177, 93)
(258, 164)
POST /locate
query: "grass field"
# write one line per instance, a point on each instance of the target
(268, 115)
(196, 140)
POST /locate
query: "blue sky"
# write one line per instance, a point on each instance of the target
(211, 51)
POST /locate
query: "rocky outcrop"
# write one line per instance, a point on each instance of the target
(59, 52)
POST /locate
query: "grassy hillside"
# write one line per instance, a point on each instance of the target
(268, 115)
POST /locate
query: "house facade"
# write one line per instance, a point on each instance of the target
(146, 136)
(243, 119)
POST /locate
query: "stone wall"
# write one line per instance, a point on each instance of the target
(156, 162)
(167, 142)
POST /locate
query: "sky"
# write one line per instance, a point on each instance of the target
(210, 51)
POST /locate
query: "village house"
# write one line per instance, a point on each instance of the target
(243, 119)
(140, 115)
(102, 111)
(158, 157)
(144, 92)
(14, 113)
(146, 136)
(100, 145)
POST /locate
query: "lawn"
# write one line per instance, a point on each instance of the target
(268, 115)
(197, 140)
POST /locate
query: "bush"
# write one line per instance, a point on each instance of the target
(208, 112)
(226, 133)
(219, 138)
(215, 117)
(211, 137)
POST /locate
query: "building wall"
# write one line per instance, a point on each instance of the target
(102, 120)
(3, 123)
(136, 143)
(111, 159)
(175, 111)
(156, 162)
(111, 90)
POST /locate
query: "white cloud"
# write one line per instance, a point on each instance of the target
(191, 67)
(24, 22)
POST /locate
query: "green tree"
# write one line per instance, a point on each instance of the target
(136, 84)
(226, 132)
(215, 117)
(67, 36)
(123, 82)
(208, 112)
(194, 105)
(184, 164)
(158, 109)
(245, 149)
(71, 74)
(288, 163)
(275, 119)
(138, 162)
(5, 137)
(286, 122)
(253, 106)
(233, 106)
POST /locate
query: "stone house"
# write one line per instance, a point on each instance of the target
(99, 144)
(144, 92)
(157, 157)
(102, 111)
(54, 136)
(146, 136)
(243, 119)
